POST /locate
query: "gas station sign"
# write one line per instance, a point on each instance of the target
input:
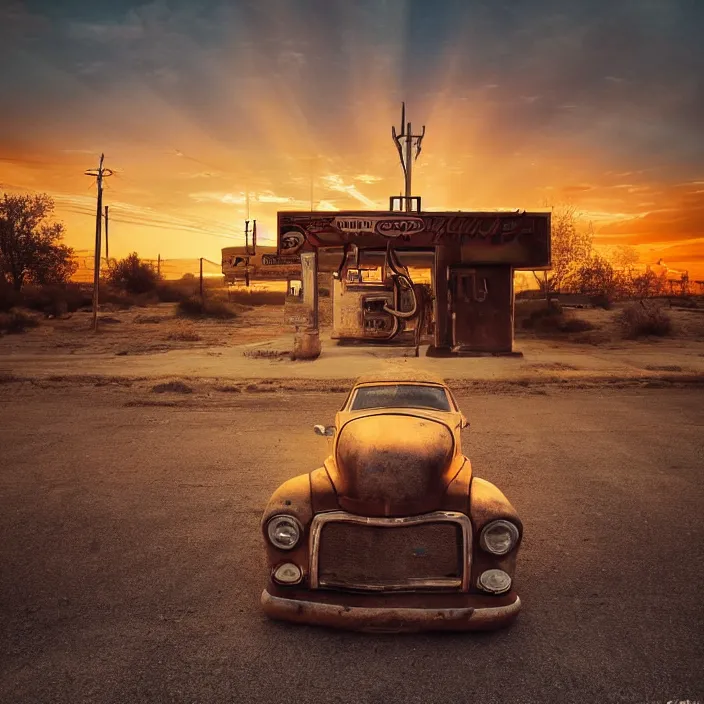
(516, 239)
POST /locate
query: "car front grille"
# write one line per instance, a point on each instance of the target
(377, 554)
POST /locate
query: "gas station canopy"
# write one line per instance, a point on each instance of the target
(520, 240)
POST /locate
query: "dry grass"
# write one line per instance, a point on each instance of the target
(229, 389)
(266, 354)
(196, 307)
(552, 319)
(15, 321)
(553, 366)
(257, 298)
(150, 319)
(570, 324)
(175, 387)
(176, 291)
(644, 320)
(53, 301)
(184, 335)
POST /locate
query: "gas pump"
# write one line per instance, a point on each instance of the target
(367, 307)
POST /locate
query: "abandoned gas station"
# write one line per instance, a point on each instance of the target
(466, 260)
(405, 276)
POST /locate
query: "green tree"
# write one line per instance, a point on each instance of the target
(31, 249)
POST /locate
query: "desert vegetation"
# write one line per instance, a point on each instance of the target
(132, 275)
(645, 319)
(31, 246)
(604, 276)
(206, 307)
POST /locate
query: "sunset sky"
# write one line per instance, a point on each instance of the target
(527, 103)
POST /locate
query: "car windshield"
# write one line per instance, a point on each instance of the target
(401, 396)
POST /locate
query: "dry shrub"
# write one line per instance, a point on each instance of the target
(9, 298)
(576, 325)
(184, 335)
(602, 300)
(257, 298)
(266, 354)
(553, 319)
(56, 300)
(112, 299)
(228, 389)
(175, 291)
(685, 302)
(16, 321)
(150, 319)
(537, 315)
(176, 387)
(641, 320)
(196, 307)
(134, 275)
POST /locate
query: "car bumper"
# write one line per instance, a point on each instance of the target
(475, 614)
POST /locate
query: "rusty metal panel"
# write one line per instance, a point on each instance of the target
(517, 239)
(301, 302)
(346, 313)
(441, 309)
(309, 277)
(358, 311)
(356, 555)
(481, 306)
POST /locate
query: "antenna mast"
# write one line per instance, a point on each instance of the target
(405, 141)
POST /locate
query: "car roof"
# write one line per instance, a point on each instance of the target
(400, 376)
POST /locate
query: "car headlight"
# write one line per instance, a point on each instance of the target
(288, 573)
(284, 532)
(499, 537)
(494, 581)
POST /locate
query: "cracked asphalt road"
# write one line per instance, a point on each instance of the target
(131, 562)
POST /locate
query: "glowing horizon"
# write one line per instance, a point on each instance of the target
(196, 107)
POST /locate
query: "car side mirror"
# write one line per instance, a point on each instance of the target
(325, 431)
(464, 423)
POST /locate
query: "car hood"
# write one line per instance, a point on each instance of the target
(392, 464)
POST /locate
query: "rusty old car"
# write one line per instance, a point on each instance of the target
(393, 533)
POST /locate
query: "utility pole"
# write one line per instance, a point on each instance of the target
(100, 172)
(405, 141)
(158, 265)
(107, 251)
(201, 278)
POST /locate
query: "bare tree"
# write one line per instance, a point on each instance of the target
(30, 245)
(571, 249)
(624, 258)
(596, 277)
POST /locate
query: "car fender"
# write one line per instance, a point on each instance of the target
(292, 498)
(487, 503)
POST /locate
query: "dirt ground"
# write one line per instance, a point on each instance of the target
(153, 343)
(143, 330)
(158, 328)
(131, 558)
